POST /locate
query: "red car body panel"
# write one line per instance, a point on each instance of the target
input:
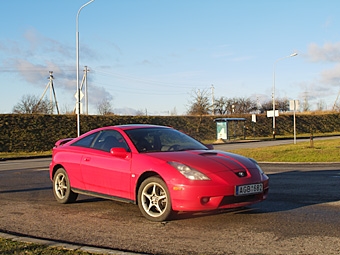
(186, 194)
(100, 172)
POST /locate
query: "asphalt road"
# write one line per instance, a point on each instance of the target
(300, 216)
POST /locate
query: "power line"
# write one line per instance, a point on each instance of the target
(143, 80)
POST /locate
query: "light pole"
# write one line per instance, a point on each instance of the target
(291, 55)
(77, 56)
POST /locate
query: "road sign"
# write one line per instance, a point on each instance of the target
(270, 113)
(294, 105)
(81, 95)
(253, 117)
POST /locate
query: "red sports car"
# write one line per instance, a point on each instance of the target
(159, 168)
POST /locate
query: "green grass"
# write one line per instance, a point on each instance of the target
(319, 151)
(22, 248)
(8, 155)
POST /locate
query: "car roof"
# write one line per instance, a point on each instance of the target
(133, 126)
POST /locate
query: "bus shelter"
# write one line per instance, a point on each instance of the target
(230, 127)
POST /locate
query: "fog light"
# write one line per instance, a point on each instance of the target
(205, 200)
(241, 174)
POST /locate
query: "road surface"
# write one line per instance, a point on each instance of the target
(300, 216)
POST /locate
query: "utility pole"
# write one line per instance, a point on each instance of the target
(212, 99)
(305, 102)
(335, 103)
(52, 93)
(84, 83)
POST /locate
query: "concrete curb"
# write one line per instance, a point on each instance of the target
(66, 246)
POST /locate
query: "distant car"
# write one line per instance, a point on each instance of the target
(159, 168)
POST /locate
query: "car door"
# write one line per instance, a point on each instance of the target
(103, 172)
(72, 158)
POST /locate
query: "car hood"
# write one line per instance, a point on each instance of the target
(212, 160)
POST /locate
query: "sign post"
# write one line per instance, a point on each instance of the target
(294, 106)
(253, 121)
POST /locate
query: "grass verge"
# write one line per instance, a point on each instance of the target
(22, 248)
(9, 155)
(319, 151)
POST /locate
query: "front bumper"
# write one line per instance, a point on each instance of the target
(205, 198)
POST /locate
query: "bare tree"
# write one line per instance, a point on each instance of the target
(105, 108)
(141, 113)
(30, 104)
(266, 106)
(321, 105)
(234, 105)
(65, 109)
(200, 104)
(244, 105)
(305, 104)
(173, 112)
(281, 105)
(336, 107)
(220, 106)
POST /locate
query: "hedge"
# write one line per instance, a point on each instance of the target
(33, 132)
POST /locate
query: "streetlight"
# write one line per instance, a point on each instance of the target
(291, 55)
(77, 56)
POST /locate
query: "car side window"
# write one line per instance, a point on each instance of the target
(109, 139)
(86, 141)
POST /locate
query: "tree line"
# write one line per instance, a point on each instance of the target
(201, 104)
(31, 104)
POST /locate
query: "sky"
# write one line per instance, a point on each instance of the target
(151, 56)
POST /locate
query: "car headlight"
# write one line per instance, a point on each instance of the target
(188, 172)
(257, 165)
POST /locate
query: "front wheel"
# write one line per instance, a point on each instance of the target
(154, 199)
(62, 188)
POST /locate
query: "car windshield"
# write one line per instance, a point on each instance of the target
(162, 139)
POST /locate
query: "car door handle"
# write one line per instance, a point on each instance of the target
(87, 159)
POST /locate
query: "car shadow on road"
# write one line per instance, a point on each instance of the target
(25, 190)
(296, 189)
(288, 191)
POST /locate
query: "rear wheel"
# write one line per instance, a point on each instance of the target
(62, 188)
(154, 199)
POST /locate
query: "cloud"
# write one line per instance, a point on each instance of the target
(98, 94)
(39, 43)
(125, 111)
(32, 37)
(328, 23)
(331, 76)
(329, 52)
(33, 57)
(31, 73)
(316, 92)
(10, 47)
(36, 74)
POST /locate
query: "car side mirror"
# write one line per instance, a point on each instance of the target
(209, 146)
(119, 152)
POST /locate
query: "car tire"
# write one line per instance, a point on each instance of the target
(62, 188)
(154, 199)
